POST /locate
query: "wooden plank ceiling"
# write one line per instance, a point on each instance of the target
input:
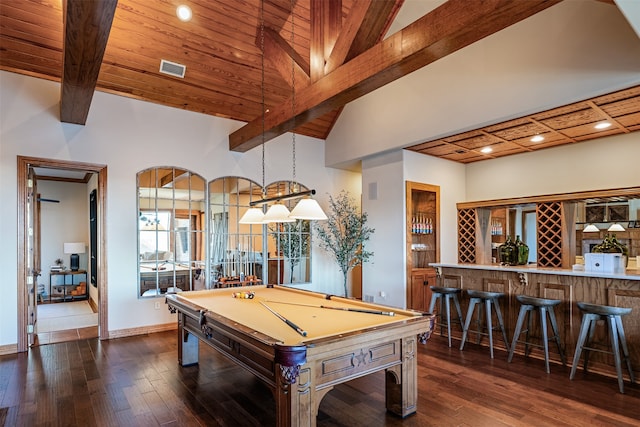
(331, 52)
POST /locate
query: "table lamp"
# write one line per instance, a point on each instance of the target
(74, 249)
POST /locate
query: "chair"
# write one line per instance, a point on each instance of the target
(528, 305)
(445, 295)
(591, 313)
(489, 299)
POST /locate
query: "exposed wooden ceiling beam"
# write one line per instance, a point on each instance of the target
(87, 24)
(326, 24)
(364, 27)
(441, 32)
(280, 54)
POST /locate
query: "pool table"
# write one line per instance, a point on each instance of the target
(302, 343)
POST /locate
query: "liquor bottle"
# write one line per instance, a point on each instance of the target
(523, 251)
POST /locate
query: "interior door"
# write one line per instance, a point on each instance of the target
(33, 255)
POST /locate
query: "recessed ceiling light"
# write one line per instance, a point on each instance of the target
(184, 13)
(486, 150)
(537, 138)
(603, 125)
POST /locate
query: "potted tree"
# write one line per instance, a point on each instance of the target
(344, 234)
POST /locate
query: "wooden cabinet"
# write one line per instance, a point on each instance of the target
(423, 241)
(419, 288)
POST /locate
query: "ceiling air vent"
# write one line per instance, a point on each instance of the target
(172, 68)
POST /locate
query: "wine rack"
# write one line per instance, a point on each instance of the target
(467, 236)
(423, 242)
(549, 219)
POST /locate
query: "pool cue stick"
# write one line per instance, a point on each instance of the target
(357, 310)
(285, 320)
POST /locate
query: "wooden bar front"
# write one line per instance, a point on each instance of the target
(569, 286)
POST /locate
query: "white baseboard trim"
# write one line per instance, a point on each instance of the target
(13, 348)
(130, 332)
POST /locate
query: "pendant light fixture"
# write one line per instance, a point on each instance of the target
(615, 227)
(277, 212)
(590, 228)
(307, 208)
(255, 215)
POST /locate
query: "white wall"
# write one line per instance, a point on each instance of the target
(386, 271)
(128, 136)
(604, 163)
(509, 74)
(385, 279)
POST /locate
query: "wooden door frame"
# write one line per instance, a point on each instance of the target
(23, 164)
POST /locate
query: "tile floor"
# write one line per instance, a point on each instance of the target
(67, 332)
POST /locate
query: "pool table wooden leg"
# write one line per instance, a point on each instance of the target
(401, 381)
(295, 402)
(187, 344)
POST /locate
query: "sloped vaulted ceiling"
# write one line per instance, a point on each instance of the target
(338, 51)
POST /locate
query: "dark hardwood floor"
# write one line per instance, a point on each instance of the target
(137, 382)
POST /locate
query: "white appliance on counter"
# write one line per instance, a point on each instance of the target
(605, 263)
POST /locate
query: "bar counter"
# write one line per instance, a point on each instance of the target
(569, 286)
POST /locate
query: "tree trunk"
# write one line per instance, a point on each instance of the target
(344, 283)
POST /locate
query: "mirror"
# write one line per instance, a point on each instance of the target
(514, 221)
(236, 249)
(171, 231)
(603, 214)
(289, 243)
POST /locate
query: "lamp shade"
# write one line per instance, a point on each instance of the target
(277, 213)
(615, 227)
(590, 228)
(74, 248)
(308, 209)
(252, 216)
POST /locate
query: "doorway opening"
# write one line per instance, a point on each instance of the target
(48, 277)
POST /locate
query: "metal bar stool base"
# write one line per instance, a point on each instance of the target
(591, 313)
(445, 295)
(489, 299)
(528, 305)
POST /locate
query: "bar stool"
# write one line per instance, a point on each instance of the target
(445, 295)
(489, 299)
(528, 305)
(591, 313)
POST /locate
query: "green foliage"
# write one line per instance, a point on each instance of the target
(344, 234)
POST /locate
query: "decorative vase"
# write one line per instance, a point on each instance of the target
(523, 251)
(508, 252)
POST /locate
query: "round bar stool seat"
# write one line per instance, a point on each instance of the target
(445, 295)
(545, 307)
(489, 299)
(591, 313)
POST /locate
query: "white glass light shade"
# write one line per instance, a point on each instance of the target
(590, 228)
(277, 213)
(73, 248)
(252, 216)
(615, 227)
(308, 209)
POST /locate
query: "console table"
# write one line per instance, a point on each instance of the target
(72, 287)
